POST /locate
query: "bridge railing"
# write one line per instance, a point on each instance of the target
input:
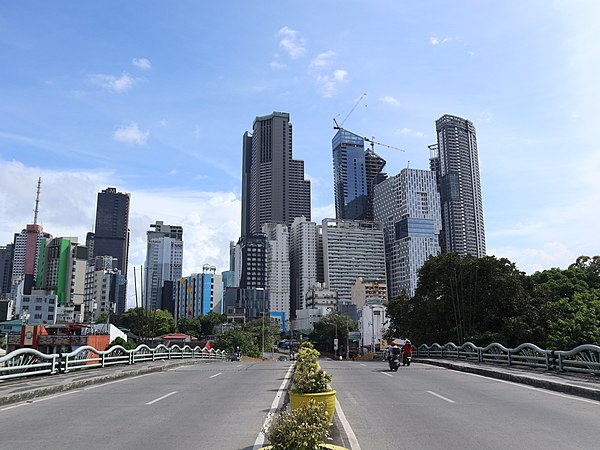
(583, 359)
(27, 362)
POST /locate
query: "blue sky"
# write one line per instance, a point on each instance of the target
(153, 98)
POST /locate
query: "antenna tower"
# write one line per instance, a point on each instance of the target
(37, 201)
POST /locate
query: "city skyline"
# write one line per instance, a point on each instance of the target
(155, 106)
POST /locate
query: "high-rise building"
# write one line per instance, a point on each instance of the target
(304, 236)
(278, 270)
(352, 249)
(456, 162)
(273, 186)
(101, 293)
(164, 261)
(63, 272)
(111, 234)
(356, 171)
(408, 206)
(198, 294)
(6, 264)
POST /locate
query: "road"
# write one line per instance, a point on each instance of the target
(221, 405)
(428, 407)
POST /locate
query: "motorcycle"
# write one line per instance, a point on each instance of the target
(406, 360)
(394, 361)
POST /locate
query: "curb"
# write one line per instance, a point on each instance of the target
(562, 387)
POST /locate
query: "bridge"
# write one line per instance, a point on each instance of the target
(436, 403)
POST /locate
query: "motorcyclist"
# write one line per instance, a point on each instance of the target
(407, 349)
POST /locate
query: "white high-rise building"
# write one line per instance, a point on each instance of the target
(164, 261)
(278, 269)
(303, 260)
(352, 249)
(408, 206)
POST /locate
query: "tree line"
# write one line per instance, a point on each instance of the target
(484, 300)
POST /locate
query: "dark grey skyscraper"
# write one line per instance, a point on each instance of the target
(273, 186)
(456, 162)
(111, 237)
(6, 264)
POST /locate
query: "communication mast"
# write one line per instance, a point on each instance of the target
(37, 201)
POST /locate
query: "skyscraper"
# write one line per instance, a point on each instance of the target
(355, 173)
(456, 162)
(304, 255)
(273, 186)
(164, 261)
(408, 206)
(278, 270)
(111, 234)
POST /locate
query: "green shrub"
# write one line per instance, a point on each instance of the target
(308, 376)
(303, 429)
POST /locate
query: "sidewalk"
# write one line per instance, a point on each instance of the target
(581, 385)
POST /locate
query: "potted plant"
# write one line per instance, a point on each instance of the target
(304, 428)
(310, 382)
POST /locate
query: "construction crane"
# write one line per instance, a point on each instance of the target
(373, 142)
(336, 125)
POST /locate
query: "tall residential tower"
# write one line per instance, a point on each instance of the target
(456, 162)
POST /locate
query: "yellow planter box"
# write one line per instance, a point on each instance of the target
(299, 400)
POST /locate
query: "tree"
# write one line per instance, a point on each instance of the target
(189, 325)
(122, 342)
(266, 327)
(102, 318)
(145, 323)
(235, 337)
(328, 328)
(208, 322)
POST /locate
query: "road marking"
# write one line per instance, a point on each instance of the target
(545, 391)
(388, 374)
(215, 375)
(354, 445)
(440, 396)
(239, 365)
(260, 439)
(161, 398)
(13, 406)
(363, 364)
(113, 382)
(352, 399)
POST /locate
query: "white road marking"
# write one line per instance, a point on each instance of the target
(352, 399)
(354, 445)
(441, 396)
(388, 374)
(239, 365)
(113, 382)
(215, 375)
(161, 398)
(260, 439)
(545, 391)
(363, 364)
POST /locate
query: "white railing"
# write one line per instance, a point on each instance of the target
(584, 359)
(27, 362)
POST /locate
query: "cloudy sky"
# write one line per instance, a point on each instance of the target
(153, 98)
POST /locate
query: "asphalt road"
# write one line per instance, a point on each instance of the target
(428, 407)
(221, 405)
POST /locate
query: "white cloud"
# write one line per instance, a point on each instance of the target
(209, 219)
(276, 65)
(409, 132)
(141, 63)
(322, 60)
(329, 83)
(112, 83)
(131, 134)
(291, 43)
(388, 99)
(434, 40)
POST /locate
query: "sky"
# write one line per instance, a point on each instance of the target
(153, 98)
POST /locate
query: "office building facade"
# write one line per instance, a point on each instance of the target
(164, 261)
(456, 162)
(278, 270)
(356, 171)
(408, 206)
(304, 236)
(273, 186)
(111, 234)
